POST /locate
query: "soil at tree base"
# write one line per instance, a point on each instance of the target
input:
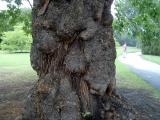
(11, 105)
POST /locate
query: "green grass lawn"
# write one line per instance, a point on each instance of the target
(155, 59)
(14, 60)
(16, 67)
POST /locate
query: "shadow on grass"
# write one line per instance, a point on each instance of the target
(13, 97)
(142, 101)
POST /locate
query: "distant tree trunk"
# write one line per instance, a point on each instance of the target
(73, 52)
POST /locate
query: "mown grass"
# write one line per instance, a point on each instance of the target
(16, 67)
(154, 59)
(14, 60)
(127, 79)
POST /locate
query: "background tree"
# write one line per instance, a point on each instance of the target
(123, 29)
(11, 17)
(26, 19)
(16, 41)
(4, 23)
(142, 21)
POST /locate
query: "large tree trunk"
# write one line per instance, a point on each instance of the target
(73, 52)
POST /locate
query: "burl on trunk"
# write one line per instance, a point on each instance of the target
(73, 52)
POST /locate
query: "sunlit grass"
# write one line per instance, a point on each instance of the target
(155, 59)
(14, 60)
(16, 68)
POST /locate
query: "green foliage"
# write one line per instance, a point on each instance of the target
(153, 48)
(11, 17)
(16, 40)
(125, 13)
(140, 18)
(15, 15)
(86, 115)
(117, 44)
(4, 23)
(26, 19)
(125, 38)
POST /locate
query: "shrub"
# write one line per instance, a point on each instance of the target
(16, 40)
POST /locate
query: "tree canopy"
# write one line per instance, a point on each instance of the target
(15, 15)
(16, 41)
(140, 18)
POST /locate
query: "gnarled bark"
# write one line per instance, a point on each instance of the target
(73, 52)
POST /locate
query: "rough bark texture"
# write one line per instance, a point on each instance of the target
(73, 52)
